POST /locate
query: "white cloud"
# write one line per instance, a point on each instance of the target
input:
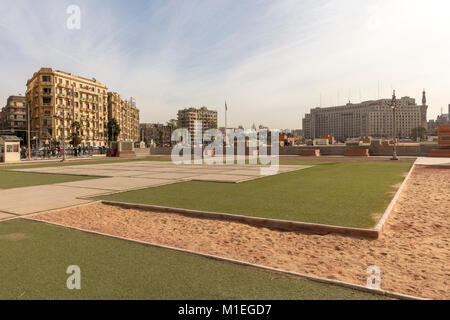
(271, 60)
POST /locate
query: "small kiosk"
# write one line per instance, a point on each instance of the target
(9, 149)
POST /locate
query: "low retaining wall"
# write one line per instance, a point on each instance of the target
(416, 150)
(357, 152)
(440, 153)
(311, 152)
(259, 222)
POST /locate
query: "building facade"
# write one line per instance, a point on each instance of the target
(370, 118)
(442, 120)
(190, 119)
(13, 117)
(58, 99)
(126, 115)
(156, 133)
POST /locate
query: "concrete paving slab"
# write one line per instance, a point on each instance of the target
(433, 161)
(242, 172)
(116, 183)
(28, 200)
(223, 178)
(169, 175)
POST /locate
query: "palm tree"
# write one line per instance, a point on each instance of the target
(113, 130)
(75, 136)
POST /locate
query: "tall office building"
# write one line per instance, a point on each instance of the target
(441, 120)
(369, 118)
(52, 94)
(196, 120)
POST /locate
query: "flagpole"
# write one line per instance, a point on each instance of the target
(226, 111)
(226, 123)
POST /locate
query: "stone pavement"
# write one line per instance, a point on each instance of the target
(116, 177)
(433, 161)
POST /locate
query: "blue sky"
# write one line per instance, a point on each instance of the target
(271, 60)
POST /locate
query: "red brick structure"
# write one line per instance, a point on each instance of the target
(444, 135)
(311, 152)
(357, 153)
(444, 143)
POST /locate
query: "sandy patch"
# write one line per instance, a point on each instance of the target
(14, 236)
(413, 251)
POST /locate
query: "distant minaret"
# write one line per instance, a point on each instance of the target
(424, 109)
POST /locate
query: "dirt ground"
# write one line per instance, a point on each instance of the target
(413, 251)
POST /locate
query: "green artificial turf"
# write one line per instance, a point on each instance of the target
(35, 257)
(347, 194)
(11, 179)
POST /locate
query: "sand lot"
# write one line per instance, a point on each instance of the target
(413, 251)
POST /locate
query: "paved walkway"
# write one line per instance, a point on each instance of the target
(433, 161)
(116, 177)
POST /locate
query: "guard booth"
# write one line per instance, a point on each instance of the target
(9, 149)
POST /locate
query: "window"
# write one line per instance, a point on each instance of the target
(9, 148)
(46, 78)
(76, 104)
(16, 148)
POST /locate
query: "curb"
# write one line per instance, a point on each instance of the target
(284, 225)
(389, 294)
(380, 225)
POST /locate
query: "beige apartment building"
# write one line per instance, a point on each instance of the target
(13, 117)
(54, 95)
(190, 119)
(126, 115)
(369, 118)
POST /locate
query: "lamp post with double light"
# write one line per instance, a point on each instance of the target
(394, 107)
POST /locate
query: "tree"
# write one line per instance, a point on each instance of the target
(172, 125)
(113, 130)
(418, 133)
(75, 138)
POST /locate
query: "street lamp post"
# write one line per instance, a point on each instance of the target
(29, 131)
(394, 125)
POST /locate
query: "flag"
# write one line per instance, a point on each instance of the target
(226, 107)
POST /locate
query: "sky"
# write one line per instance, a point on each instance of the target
(271, 61)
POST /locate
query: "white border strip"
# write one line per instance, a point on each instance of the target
(390, 208)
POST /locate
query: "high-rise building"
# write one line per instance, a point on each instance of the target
(441, 120)
(54, 95)
(369, 118)
(126, 115)
(13, 117)
(196, 120)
